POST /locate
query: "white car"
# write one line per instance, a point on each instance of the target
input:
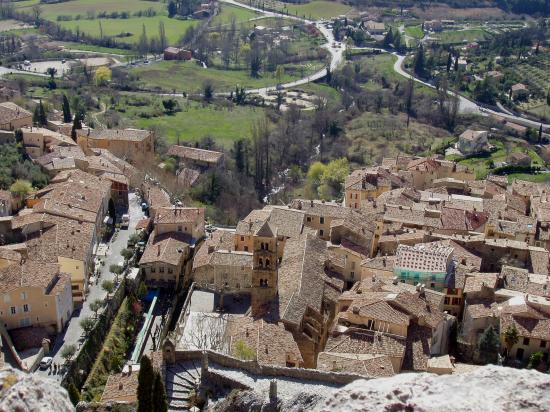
(46, 362)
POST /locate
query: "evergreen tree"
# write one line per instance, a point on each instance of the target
(39, 115)
(143, 43)
(162, 36)
(488, 345)
(74, 394)
(66, 110)
(420, 62)
(159, 395)
(388, 38)
(145, 385)
(449, 62)
(172, 9)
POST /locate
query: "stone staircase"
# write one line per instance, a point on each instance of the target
(181, 379)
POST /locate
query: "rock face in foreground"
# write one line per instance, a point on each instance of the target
(490, 388)
(20, 391)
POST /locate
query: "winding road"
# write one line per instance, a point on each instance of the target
(336, 50)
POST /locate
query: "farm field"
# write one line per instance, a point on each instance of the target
(227, 12)
(113, 27)
(76, 16)
(190, 77)
(414, 31)
(195, 122)
(462, 36)
(82, 7)
(316, 9)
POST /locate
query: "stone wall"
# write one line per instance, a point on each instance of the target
(268, 371)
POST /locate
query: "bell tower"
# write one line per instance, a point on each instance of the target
(265, 268)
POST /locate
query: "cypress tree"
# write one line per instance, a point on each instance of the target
(420, 61)
(74, 394)
(66, 110)
(145, 385)
(159, 395)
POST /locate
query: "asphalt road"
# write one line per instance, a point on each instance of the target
(73, 333)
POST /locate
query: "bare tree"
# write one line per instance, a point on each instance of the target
(208, 331)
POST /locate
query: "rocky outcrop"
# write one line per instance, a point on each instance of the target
(20, 391)
(489, 388)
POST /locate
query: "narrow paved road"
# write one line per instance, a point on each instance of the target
(73, 334)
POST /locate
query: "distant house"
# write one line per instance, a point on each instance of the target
(197, 158)
(518, 89)
(14, 117)
(472, 141)
(175, 53)
(495, 74)
(520, 159)
(374, 27)
(433, 25)
(462, 63)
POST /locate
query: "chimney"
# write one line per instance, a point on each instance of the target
(158, 250)
(311, 202)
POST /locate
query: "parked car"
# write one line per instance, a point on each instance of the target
(46, 362)
(125, 222)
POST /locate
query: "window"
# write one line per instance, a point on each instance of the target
(179, 228)
(432, 285)
(352, 275)
(161, 269)
(543, 344)
(74, 287)
(25, 308)
(370, 324)
(242, 238)
(321, 232)
(526, 341)
(456, 301)
(322, 220)
(13, 310)
(170, 270)
(23, 295)
(153, 270)
(246, 248)
(308, 219)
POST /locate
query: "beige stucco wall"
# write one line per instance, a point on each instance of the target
(42, 310)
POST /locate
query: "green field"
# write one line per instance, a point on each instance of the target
(97, 49)
(190, 77)
(318, 9)
(463, 36)
(414, 31)
(315, 9)
(196, 122)
(227, 12)
(82, 7)
(113, 27)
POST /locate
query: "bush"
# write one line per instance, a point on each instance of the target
(243, 351)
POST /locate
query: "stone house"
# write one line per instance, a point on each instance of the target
(133, 145)
(13, 117)
(473, 141)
